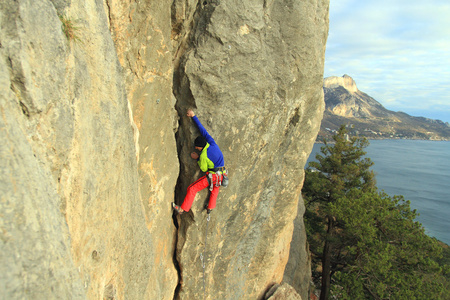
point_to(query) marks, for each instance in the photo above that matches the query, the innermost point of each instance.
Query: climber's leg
(192, 190)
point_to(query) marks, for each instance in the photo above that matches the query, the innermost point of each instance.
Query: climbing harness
(220, 171)
(203, 256)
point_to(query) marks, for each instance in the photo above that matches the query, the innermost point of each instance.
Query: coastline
(385, 139)
(415, 169)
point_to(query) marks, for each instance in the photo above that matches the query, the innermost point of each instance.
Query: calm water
(418, 170)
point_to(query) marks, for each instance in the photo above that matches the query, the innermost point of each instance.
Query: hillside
(346, 104)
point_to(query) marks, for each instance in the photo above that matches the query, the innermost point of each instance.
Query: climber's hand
(194, 155)
(190, 113)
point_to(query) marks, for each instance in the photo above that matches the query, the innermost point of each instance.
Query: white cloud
(397, 51)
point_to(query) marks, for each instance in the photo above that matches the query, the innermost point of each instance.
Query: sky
(397, 51)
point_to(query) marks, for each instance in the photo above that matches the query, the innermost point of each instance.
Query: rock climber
(211, 162)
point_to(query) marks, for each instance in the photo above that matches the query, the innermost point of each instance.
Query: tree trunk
(326, 263)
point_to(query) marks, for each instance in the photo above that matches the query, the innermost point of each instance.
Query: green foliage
(366, 244)
(69, 28)
(344, 165)
(389, 255)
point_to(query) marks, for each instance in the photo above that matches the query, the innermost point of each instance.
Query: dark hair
(200, 141)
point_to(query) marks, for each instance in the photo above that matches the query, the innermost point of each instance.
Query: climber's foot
(208, 211)
(177, 208)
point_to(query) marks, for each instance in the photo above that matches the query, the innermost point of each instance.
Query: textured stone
(35, 256)
(254, 71)
(90, 144)
(35, 249)
(282, 292)
(297, 272)
(86, 208)
(141, 32)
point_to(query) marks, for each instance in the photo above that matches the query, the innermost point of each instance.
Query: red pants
(199, 185)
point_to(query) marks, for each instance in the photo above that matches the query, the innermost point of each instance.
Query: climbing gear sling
(220, 171)
(225, 178)
(203, 258)
(211, 182)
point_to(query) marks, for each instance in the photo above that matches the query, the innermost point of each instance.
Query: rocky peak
(345, 81)
(343, 98)
(345, 104)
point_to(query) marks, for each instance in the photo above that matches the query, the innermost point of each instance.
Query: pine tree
(367, 244)
(387, 254)
(341, 168)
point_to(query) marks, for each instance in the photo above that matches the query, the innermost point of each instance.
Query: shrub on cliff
(69, 28)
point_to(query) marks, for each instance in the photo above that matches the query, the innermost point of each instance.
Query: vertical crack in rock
(185, 16)
(175, 260)
(253, 74)
(182, 138)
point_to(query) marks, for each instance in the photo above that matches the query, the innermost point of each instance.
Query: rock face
(282, 292)
(298, 269)
(93, 193)
(141, 33)
(253, 71)
(95, 144)
(345, 104)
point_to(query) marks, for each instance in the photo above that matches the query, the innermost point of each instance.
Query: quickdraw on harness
(203, 258)
(220, 171)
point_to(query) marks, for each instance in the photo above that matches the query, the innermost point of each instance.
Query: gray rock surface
(87, 209)
(36, 261)
(95, 144)
(282, 292)
(298, 269)
(254, 73)
(141, 32)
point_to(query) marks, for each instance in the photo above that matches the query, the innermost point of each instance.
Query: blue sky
(397, 51)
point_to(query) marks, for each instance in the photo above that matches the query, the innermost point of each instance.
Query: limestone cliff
(253, 71)
(95, 145)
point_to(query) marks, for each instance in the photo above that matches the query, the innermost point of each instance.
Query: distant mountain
(345, 104)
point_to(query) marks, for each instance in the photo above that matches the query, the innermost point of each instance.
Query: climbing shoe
(208, 211)
(177, 208)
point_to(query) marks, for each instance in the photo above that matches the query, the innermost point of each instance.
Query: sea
(418, 170)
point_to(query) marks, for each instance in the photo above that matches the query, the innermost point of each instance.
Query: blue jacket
(211, 157)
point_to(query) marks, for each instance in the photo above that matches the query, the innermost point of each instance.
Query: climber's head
(200, 143)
